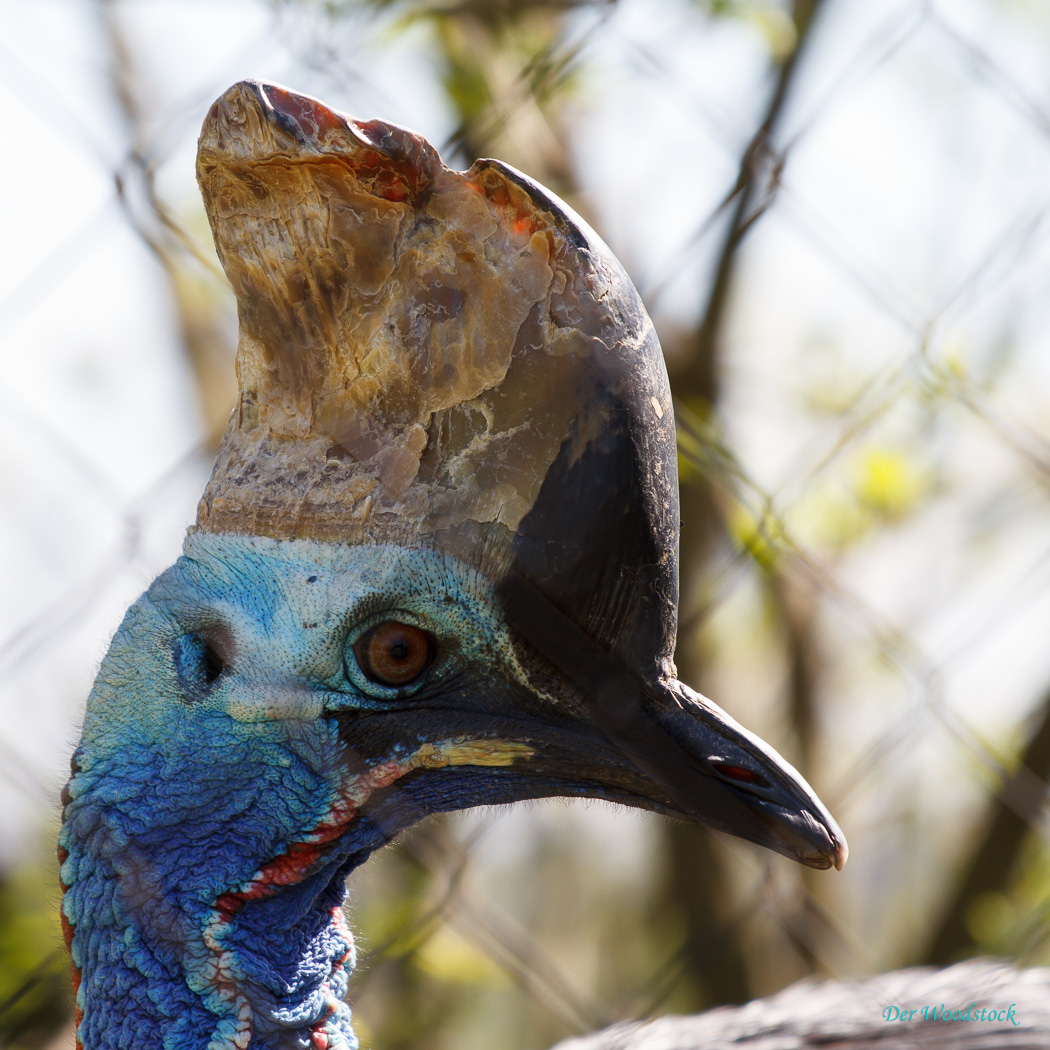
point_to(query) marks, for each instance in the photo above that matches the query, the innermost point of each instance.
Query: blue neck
(169, 955)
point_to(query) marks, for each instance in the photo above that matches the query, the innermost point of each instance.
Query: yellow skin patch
(469, 753)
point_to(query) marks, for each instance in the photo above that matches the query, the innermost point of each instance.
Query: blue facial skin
(212, 745)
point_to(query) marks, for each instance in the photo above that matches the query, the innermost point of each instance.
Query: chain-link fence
(837, 213)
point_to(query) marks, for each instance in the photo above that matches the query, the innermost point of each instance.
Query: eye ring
(394, 654)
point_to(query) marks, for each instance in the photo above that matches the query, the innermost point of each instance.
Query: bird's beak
(673, 749)
(716, 772)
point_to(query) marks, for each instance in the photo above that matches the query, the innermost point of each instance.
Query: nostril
(739, 775)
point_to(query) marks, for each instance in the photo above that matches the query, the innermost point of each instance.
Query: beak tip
(840, 854)
(823, 857)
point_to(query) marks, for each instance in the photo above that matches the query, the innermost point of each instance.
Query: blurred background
(838, 213)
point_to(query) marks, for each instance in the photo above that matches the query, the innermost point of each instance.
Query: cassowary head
(435, 567)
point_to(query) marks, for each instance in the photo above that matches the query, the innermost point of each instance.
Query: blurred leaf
(990, 920)
(776, 28)
(34, 968)
(887, 481)
(449, 957)
(772, 21)
(830, 516)
(758, 536)
(462, 77)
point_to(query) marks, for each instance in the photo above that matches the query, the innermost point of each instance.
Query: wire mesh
(837, 214)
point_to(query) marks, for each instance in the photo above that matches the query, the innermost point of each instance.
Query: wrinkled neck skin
(214, 811)
(182, 931)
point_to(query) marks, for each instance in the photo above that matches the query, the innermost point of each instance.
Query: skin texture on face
(214, 808)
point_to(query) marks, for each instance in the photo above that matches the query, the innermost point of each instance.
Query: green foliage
(881, 484)
(757, 535)
(770, 20)
(887, 482)
(1015, 921)
(35, 998)
(462, 76)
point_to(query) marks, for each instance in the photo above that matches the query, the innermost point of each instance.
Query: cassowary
(434, 567)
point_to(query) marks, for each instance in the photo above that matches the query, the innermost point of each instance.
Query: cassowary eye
(394, 653)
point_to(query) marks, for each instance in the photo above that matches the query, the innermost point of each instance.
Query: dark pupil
(394, 653)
